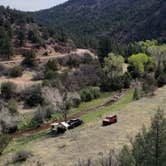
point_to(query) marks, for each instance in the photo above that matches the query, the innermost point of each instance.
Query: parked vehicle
(59, 128)
(109, 120)
(74, 123)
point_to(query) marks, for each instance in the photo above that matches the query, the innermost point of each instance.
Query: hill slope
(19, 33)
(123, 20)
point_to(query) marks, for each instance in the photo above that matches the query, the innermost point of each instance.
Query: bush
(72, 62)
(33, 96)
(42, 114)
(137, 94)
(12, 106)
(161, 80)
(50, 74)
(127, 80)
(51, 65)
(74, 99)
(116, 83)
(30, 59)
(90, 94)
(21, 156)
(8, 90)
(4, 141)
(149, 84)
(95, 91)
(16, 71)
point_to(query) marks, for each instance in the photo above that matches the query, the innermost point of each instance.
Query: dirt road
(45, 58)
(76, 115)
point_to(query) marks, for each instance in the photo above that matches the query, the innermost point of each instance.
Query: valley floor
(92, 140)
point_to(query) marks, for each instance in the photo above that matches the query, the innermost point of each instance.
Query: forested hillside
(119, 20)
(19, 34)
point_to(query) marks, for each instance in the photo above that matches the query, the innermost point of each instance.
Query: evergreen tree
(6, 47)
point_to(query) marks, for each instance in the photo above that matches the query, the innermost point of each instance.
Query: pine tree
(6, 47)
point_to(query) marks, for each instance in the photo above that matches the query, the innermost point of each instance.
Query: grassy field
(126, 99)
(91, 139)
(20, 143)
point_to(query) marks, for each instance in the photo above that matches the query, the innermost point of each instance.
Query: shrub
(50, 74)
(72, 62)
(117, 83)
(161, 80)
(51, 65)
(95, 91)
(137, 94)
(12, 106)
(140, 63)
(16, 71)
(42, 114)
(127, 80)
(30, 59)
(90, 94)
(8, 90)
(4, 141)
(33, 96)
(149, 84)
(86, 96)
(21, 156)
(8, 121)
(74, 99)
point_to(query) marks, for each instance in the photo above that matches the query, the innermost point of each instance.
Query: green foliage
(113, 77)
(8, 90)
(4, 141)
(51, 70)
(30, 59)
(16, 71)
(127, 80)
(104, 48)
(34, 37)
(21, 38)
(72, 62)
(161, 80)
(50, 74)
(158, 51)
(12, 106)
(126, 158)
(138, 93)
(51, 65)
(6, 47)
(109, 19)
(149, 84)
(33, 96)
(151, 140)
(144, 45)
(90, 94)
(42, 114)
(160, 75)
(113, 65)
(139, 63)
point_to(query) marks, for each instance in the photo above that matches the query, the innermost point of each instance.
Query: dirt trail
(46, 126)
(43, 58)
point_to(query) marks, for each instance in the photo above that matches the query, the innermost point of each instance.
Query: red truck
(109, 120)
